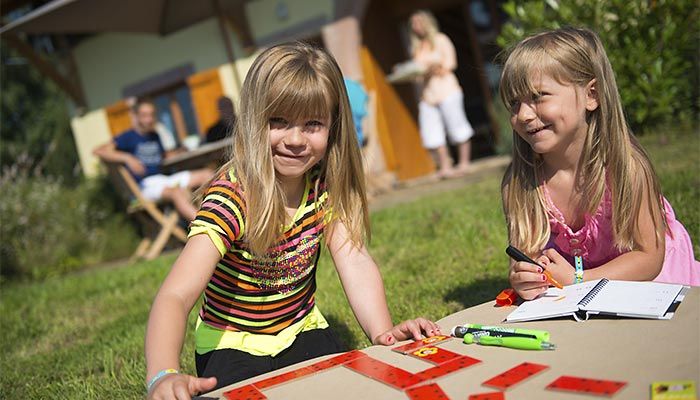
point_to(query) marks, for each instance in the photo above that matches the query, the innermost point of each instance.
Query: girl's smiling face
(554, 117)
(297, 145)
(418, 25)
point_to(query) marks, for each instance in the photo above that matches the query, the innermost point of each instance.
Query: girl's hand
(413, 328)
(527, 279)
(180, 387)
(557, 265)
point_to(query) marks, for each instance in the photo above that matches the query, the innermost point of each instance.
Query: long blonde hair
(611, 153)
(431, 29)
(295, 80)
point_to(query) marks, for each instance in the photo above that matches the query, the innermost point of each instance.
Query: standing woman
(441, 106)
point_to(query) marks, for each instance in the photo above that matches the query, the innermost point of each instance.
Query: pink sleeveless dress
(594, 242)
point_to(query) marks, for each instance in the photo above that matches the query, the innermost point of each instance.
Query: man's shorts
(152, 186)
(434, 118)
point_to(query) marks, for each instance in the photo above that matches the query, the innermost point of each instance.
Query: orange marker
(518, 255)
(551, 279)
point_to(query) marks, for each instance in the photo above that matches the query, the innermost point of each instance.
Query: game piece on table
(282, 378)
(586, 385)
(430, 391)
(676, 390)
(429, 341)
(309, 369)
(337, 360)
(434, 355)
(447, 368)
(383, 372)
(247, 392)
(515, 375)
(507, 297)
(488, 396)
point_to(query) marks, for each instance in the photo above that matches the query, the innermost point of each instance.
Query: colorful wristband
(578, 275)
(160, 375)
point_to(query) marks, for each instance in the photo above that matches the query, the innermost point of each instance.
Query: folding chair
(158, 225)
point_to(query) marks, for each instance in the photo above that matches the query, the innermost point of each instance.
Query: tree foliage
(652, 45)
(35, 134)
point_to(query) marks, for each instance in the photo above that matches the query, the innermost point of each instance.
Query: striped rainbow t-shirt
(249, 296)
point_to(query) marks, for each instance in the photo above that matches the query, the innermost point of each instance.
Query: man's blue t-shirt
(358, 105)
(146, 147)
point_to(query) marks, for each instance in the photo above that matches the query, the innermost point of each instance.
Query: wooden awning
(135, 16)
(160, 17)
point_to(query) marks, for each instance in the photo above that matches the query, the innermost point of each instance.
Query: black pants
(230, 366)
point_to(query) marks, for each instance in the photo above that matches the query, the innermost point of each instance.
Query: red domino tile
(310, 369)
(429, 341)
(585, 385)
(383, 372)
(247, 392)
(488, 396)
(515, 375)
(447, 368)
(282, 378)
(337, 360)
(426, 392)
(434, 355)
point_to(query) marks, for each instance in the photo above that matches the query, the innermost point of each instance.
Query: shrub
(652, 45)
(47, 228)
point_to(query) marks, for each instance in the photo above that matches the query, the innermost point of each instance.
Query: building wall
(90, 131)
(273, 21)
(109, 62)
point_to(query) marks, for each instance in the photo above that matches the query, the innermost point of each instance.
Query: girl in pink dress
(581, 195)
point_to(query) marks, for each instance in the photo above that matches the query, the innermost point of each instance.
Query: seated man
(227, 119)
(141, 151)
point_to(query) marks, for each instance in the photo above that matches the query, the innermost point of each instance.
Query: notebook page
(555, 302)
(641, 299)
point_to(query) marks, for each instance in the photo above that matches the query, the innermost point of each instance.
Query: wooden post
(227, 40)
(45, 68)
(71, 65)
(483, 83)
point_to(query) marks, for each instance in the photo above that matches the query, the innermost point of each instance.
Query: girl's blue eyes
(281, 123)
(534, 98)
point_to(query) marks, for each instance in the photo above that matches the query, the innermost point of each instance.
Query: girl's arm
(640, 264)
(364, 289)
(167, 322)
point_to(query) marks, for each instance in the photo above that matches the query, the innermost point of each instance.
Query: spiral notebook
(651, 300)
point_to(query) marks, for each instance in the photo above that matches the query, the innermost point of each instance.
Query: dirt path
(415, 189)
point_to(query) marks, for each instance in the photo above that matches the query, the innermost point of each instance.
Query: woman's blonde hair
(431, 29)
(611, 154)
(295, 81)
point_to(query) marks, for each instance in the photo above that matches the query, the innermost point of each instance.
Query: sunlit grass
(81, 336)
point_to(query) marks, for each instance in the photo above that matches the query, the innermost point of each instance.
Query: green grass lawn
(81, 336)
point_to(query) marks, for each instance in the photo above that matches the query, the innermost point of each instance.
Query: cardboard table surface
(635, 351)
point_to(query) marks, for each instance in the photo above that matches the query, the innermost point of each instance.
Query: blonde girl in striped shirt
(294, 182)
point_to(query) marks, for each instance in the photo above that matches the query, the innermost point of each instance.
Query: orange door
(398, 133)
(118, 117)
(205, 89)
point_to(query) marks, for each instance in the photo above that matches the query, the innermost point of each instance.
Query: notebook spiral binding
(597, 288)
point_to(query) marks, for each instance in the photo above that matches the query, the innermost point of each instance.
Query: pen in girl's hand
(518, 255)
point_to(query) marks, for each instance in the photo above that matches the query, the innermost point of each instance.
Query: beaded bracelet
(578, 275)
(160, 375)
